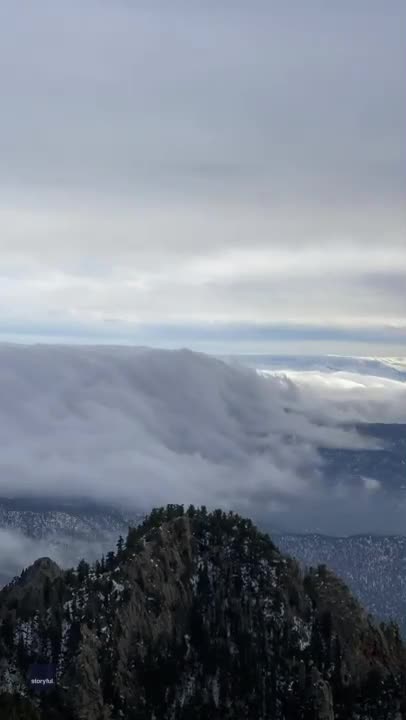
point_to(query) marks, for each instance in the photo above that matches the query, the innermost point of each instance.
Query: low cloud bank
(140, 427)
(18, 551)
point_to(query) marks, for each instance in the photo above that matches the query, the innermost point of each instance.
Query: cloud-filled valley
(139, 427)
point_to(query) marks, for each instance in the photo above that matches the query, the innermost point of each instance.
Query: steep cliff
(196, 615)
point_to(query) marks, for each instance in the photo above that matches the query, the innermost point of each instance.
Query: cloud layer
(143, 427)
(18, 551)
(202, 165)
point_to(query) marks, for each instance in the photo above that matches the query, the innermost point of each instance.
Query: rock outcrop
(198, 615)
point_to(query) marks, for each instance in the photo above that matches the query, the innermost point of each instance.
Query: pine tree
(110, 561)
(120, 546)
(83, 570)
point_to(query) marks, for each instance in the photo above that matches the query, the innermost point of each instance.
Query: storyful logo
(42, 676)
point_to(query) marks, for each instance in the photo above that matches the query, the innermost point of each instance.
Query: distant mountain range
(373, 566)
(43, 518)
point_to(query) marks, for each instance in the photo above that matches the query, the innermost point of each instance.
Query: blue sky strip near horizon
(224, 176)
(218, 338)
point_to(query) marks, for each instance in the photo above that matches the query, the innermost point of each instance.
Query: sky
(226, 176)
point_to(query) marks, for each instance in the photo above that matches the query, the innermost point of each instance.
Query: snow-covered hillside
(373, 566)
(66, 532)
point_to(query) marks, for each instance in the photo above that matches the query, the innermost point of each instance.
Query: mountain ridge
(201, 616)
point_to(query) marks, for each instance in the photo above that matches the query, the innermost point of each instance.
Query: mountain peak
(201, 616)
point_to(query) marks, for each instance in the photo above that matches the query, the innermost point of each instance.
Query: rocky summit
(199, 616)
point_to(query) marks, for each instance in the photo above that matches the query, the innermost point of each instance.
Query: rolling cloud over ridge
(141, 427)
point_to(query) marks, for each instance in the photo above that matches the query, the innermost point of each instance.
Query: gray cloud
(160, 92)
(192, 162)
(18, 551)
(143, 427)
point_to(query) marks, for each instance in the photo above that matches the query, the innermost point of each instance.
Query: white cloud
(18, 551)
(357, 396)
(371, 484)
(144, 427)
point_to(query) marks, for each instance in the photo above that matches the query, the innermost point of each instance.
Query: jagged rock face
(322, 697)
(200, 616)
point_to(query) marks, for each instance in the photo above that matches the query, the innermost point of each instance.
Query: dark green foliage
(120, 546)
(47, 592)
(70, 578)
(7, 632)
(110, 561)
(13, 707)
(82, 571)
(152, 522)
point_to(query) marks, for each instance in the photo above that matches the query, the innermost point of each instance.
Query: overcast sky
(222, 175)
